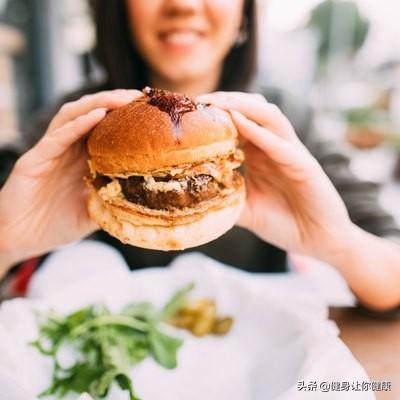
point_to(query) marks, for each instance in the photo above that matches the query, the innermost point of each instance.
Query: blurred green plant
(370, 127)
(339, 16)
(367, 116)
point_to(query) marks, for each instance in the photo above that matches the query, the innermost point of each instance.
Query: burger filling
(161, 193)
(176, 189)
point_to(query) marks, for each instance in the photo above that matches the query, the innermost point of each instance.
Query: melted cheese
(153, 185)
(111, 190)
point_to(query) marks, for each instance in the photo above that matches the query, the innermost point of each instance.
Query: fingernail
(98, 112)
(126, 96)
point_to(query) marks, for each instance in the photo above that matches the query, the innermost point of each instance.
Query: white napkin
(280, 336)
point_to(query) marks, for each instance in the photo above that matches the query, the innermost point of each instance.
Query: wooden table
(376, 345)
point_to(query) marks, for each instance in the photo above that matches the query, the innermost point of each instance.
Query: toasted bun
(164, 230)
(159, 132)
(140, 138)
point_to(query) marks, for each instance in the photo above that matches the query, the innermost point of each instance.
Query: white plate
(273, 344)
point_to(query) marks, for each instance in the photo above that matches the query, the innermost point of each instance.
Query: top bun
(156, 133)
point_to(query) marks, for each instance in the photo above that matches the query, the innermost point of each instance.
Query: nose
(182, 7)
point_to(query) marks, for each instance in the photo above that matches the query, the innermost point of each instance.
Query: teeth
(181, 38)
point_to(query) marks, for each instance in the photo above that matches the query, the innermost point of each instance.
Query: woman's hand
(290, 201)
(43, 202)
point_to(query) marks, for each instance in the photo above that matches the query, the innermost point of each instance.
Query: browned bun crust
(166, 230)
(139, 138)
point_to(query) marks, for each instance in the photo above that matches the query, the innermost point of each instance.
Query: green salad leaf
(164, 348)
(176, 302)
(106, 345)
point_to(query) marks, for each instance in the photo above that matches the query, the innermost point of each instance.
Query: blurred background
(340, 56)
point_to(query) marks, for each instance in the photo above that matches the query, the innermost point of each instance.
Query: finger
(58, 141)
(107, 99)
(88, 225)
(244, 218)
(256, 108)
(242, 141)
(276, 148)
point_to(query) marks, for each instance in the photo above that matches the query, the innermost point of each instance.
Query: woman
(197, 47)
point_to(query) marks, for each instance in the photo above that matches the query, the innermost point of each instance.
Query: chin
(164, 172)
(185, 66)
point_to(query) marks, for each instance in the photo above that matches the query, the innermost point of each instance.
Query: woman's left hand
(291, 203)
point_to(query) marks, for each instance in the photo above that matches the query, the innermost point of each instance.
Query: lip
(182, 39)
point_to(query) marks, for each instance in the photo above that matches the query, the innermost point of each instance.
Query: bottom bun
(209, 226)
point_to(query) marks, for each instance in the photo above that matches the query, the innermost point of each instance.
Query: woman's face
(184, 40)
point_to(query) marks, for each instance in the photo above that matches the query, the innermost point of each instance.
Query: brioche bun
(142, 230)
(140, 138)
(189, 156)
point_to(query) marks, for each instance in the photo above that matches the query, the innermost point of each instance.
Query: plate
(276, 341)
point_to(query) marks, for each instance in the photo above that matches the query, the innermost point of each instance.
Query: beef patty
(193, 190)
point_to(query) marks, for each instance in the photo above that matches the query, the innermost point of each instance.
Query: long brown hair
(125, 68)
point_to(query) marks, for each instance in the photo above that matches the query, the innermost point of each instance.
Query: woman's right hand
(43, 202)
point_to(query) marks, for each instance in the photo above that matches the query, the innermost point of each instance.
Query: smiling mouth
(182, 38)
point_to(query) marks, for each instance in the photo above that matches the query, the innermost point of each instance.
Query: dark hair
(125, 68)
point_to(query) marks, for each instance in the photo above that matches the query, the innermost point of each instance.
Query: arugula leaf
(107, 345)
(101, 386)
(164, 348)
(142, 311)
(79, 317)
(73, 380)
(107, 320)
(176, 302)
(125, 383)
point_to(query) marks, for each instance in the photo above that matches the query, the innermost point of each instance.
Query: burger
(164, 172)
